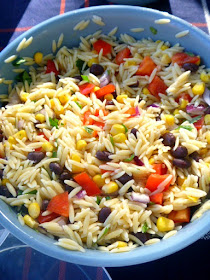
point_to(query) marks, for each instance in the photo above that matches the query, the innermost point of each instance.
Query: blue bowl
(125, 17)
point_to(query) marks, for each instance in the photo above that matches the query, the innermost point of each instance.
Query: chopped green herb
(98, 200)
(23, 210)
(153, 30)
(126, 130)
(130, 158)
(54, 154)
(62, 123)
(187, 127)
(19, 192)
(24, 76)
(53, 122)
(195, 119)
(34, 101)
(32, 192)
(88, 129)
(112, 140)
(151, 203)
(85, 78)
(104, 233)
(145, 228)
(18, 61)
(109, 72)
(78, 104)
(190, 54)
(108, 198)
(79, 64)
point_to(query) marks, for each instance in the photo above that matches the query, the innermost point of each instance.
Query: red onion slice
(105, 79)
(192, 110)
(161, 186)
(206, 96)
(81, 194)
(139, 197)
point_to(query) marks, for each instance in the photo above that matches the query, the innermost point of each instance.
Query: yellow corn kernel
(30, 221)
(47, 146)
(99, 180)
(64, 98)
(208, 137)
(81, 144)
(11, 140)
(176, 112)
(4, 181)
(151, 161)
(117, 128)
(129, 63)
(24, 96)
(38, 56)
(158, 41)
(183, 104)
(164, 47)
(207, 119)
(166, 59)
(108, 97)
(165, 224)
(120, 98)
(203, 151)
(204, 77)
(193, 198)
(40, 118)
(110, 187)
(121, 244)
(198, 89)
(96, 88)
(20, 135)
(74, 98)
(137, 55)
(169, 119)
(145, 91)
(52, 103)
(181, 181)
(120, 138)
(75, 168)
(92, 61)
(34, 210)
(76, 157)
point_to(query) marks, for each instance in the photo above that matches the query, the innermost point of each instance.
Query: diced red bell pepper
(105, 90)
(59, 204)
(199, 124)
(51, 67)
(154, 180)
(38, 149)
(45, 137)
(146, 67)
(105, 112)
(87, 120)
(125, 53)
(157, 86)
(157, 198)
(44, 219)
(86, 88)
(84, 180)
(131, 111)
(183, 96)
(160, 168)
(100, 44)
(180, 216)
(182, 58)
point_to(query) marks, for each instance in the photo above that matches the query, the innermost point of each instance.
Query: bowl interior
(125, 17)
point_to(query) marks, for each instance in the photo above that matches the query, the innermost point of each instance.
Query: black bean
(207, 111)
(136, 84)
(96, 69)
(1, 137)
(1, 173)
(134, 131)
(195, 156)
(65, 175)
(169, 139)
(103, 214)
(68, 188)
(143, 237)
(125, 178)
(78, 77)
(45, 203)
(190, 66)
(109, 102)
(4, 191)
(56, 168)
(103, 156)
(181, 163)
(36, 156)
(180, 152)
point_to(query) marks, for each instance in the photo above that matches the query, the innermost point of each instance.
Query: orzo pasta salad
(106, 146)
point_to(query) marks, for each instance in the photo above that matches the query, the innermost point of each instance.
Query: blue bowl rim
(149, 253)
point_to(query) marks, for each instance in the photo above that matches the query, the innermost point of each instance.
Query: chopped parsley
(130, 158)
(112, 140)
(151, 203)
(54, 154)
(108, 198)
(190, 54)
(19, 192)
(32, 192)
(85, 78)
(53, 122)
(78, 104)
(153, 30)
(23, 210)
(195, 119)
(187, 127)
(145, 228)
(98, 200)
(126, 130)
(88, 129)
(104, 233)
(79, 64)
(18, 61)
(24, 76)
